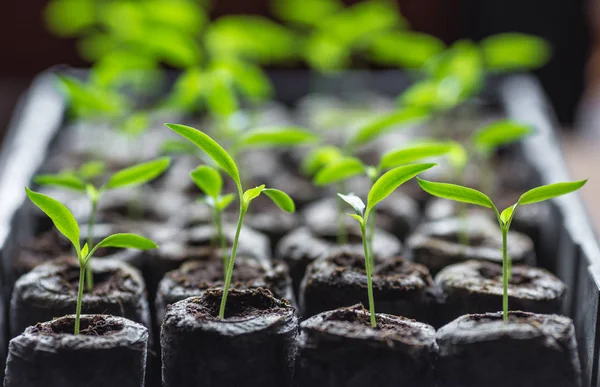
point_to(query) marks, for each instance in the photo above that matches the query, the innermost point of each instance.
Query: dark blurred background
(26, 47)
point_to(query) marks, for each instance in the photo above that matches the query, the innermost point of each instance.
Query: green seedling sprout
(80, 181)
(471, 196)
(381, 189)
(65, 222)
(324, 155)
(210, 182)
(344, 168)
(228, 165)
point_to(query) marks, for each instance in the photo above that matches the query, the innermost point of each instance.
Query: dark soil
(96, 325)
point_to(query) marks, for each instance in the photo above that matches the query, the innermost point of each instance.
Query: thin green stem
(368, 260)
(371, 236)
(79, 298)
(232, 260)
(342, 234)
(221, 236)
(504, 274)
(89, 277)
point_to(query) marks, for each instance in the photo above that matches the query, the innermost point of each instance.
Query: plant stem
(504, 274)
(82, 271)
(221, 237)
(89, 277)
(342, 234)
(229, 266)
(368, 260)
(371, 236)
(463, 234)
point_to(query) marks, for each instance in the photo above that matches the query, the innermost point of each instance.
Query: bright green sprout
(226, 163)
(381, 189)
(81, 181)
(65, 222)
(471, 196)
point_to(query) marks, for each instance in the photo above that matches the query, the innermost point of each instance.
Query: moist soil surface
(93, 326)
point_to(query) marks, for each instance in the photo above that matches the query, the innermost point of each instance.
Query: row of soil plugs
(250, 337)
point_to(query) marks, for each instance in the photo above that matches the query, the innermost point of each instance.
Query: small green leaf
(65, 180)
(339, 170)
(281, 199)
(355, 202)
(208, 180)
(507, 215)
(91, 169)
(252, 194)
(277, 136)
(210, 147)
(391, 180)
(60, 215)
(514, 51)
(407, 49)
(359, 218)
(387, 122)
(416, 153)
(306, 12)
(432, 94)
(224, 201)
(85, 250)
(550, 191)
(127, 241)
(92, 193)
(456, 192)
(138, 174)
(320, 157)
(500, 133)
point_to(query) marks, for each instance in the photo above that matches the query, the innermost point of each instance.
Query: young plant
(226, 163)
(81, 181)
(65, 222)
(469, 195)
(343, 168)
(381, 189)
(210, 182)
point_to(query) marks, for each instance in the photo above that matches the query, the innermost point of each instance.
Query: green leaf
(319, 157)
(65, 180)
(85, 250)
(355, 202)
(252, 194)
(550, 191)
(339, 170)
(69, 18)
(387, 122)
(60, 215)
(208, 180)
(416, 153)
(127, 241)
(210, 147)
(456, 192)
(306, 12)
(431, 93)
(138, 174)
(515, 51)
(91, 169)
(136, 124)
(281, 199)
(277, 136)
(500, 133)
(92, 193)
(391, 180)
(324, 53)
(507, 215)
(359, 218)
(221, 97)
(224, 201)
(406, 49)
(249, 79)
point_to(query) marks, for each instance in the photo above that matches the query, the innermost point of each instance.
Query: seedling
(210, 182)
(65, 222)
(469, 195)
(381, 189)
(226, 163)
(344, 168)
(80, 181)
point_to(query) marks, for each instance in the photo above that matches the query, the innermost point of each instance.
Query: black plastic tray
(41, 112)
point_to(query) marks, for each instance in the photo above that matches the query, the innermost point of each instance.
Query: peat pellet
(476, 287)
(194, 277)
(340, 348)
(253, 346)
(398, 214)
(198, 243)
(109, 351)
(303, 245)
(50, 290)
(447, 241)
(400, 287)
(527, 350)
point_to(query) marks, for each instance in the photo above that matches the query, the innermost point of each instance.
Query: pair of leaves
(280, 198)
(132, 176)
(65, 222)
(383, 187)
(210, 182)
(472, 196)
